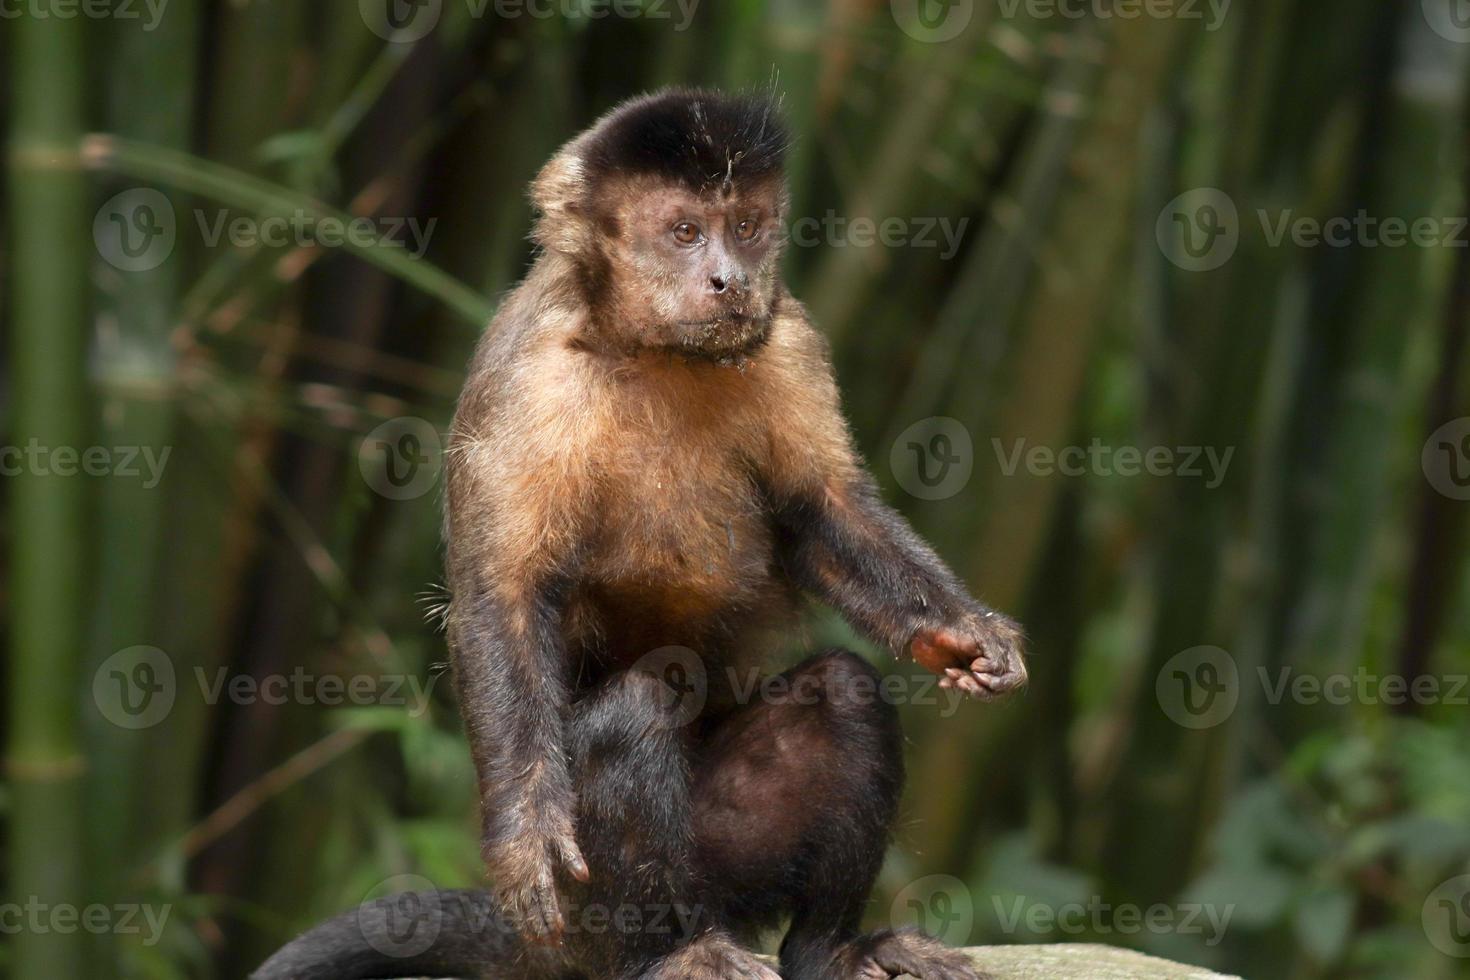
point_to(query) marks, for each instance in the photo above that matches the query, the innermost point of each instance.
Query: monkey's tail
(412, 934)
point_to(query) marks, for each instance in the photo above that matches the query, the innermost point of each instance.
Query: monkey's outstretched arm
(847, 547)
(840, 542)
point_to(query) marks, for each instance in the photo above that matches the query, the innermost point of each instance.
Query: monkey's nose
(729, 282)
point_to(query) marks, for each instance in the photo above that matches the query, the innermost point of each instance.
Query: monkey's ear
(557, 194)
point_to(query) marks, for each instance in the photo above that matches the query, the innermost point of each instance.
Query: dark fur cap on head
(697, 137)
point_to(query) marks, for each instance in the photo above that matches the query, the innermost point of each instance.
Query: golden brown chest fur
(638, 479)
(680, 542)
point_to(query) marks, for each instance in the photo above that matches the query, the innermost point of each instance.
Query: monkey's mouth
(724, 337)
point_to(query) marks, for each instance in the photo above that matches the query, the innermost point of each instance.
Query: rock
(1077, 961)
(1080, 961)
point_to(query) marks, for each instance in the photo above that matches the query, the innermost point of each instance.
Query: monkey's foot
(908, 952)
(711, 957)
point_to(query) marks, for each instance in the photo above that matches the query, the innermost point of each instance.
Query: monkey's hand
(980, 654)
(525, 874)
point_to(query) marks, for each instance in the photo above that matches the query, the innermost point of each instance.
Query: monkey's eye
(746, 229)
(686, 233)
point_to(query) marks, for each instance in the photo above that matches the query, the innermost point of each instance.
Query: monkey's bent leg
(640, 912)
(794, 802)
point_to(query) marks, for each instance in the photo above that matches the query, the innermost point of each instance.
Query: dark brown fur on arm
(514, 531)
(843, 544)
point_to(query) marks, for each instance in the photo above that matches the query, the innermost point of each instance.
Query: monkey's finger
(1002, 677)
(543, 916)
(996, 685)
(970, 686)
(572, 860)
(996, 668)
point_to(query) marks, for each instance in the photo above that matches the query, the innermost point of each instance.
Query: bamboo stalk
(150, 96)
(49, 217)
(251, 91)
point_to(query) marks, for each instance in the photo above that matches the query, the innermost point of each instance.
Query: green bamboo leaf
(185, 171)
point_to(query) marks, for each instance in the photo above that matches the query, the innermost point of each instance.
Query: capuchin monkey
(649, 456)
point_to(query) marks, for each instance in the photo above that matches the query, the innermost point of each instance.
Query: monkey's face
(696, 273)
